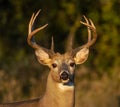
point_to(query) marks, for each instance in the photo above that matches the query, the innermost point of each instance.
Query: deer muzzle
(65, 76)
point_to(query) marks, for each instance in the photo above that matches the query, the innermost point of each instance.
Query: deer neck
(58, 95)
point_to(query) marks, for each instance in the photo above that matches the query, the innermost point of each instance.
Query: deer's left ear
(81, 56)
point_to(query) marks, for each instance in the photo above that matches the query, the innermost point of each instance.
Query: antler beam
(31, 32)
(91, 40)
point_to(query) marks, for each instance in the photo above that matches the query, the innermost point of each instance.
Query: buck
(60, 82)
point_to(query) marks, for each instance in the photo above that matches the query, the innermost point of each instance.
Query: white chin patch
(65, 81)
(63, 87)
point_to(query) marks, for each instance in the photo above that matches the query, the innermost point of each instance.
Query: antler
(91, 40)
(31, 33)
(91, 27)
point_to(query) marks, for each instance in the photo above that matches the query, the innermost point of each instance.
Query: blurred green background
(22, 77)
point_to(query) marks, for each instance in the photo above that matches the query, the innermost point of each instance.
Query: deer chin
(65, 81)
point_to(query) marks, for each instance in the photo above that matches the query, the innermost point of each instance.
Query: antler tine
(29, 28)
(88, 29)
(92, 24)
(31, 33)
(52, 44)
(32, 21)
(91, 27)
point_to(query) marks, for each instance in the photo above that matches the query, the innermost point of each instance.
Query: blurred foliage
(22, 77)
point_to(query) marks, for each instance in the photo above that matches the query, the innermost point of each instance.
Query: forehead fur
(61, 56)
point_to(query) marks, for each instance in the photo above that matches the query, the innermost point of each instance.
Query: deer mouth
(65, 76)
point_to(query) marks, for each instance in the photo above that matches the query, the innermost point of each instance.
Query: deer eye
(72, 64)
(54, 65)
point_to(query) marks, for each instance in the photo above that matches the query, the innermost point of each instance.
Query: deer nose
(64, 75)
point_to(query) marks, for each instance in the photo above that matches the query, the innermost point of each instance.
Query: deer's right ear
(42, 56)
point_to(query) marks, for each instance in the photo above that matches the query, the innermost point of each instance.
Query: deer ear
(81, 56)
(42, 56)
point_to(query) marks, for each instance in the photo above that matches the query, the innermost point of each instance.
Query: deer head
(62, 65)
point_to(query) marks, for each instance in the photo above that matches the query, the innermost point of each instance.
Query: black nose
(64, 75)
